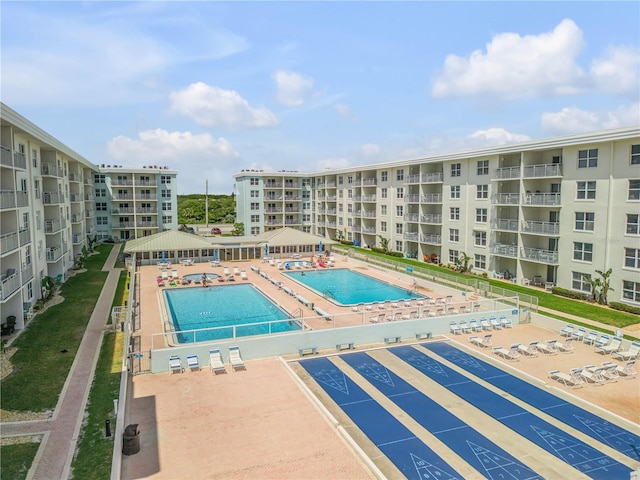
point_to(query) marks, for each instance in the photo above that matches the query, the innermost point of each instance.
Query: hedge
(624, 307)
(569, 293)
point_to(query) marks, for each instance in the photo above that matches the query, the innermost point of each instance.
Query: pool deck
(259, 423)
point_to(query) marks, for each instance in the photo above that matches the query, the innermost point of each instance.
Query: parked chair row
(175, 363)
(215, 361)
(594, 374)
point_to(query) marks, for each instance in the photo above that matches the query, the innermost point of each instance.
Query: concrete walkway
(61, 431)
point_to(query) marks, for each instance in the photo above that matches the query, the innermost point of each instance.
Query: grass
(15, 460)
(122, 291)
(40, 366)
(95, 451)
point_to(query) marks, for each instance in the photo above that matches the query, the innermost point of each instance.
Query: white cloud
(345, 112)
(617, 72)
(369, 150)
(293, 89)
(211, 106)
(574, 120)
(332, 163)
(515, 66)
(496, 136)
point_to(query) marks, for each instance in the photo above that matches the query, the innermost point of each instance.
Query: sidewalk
(60, 433)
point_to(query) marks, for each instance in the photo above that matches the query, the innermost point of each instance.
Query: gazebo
(171, 246)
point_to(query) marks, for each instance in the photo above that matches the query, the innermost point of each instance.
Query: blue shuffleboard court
(558, 443)
(582, 420)
(481, 453)
(407, 452)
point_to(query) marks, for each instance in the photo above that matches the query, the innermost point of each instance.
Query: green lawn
(15, 460)
(41, 367)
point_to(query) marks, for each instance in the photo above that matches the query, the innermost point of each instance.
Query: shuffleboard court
(407, 452)
(582, 420)
(558, 443)
(481, 453)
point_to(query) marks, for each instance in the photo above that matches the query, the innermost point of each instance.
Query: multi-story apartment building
(551, 211)
(49, 205)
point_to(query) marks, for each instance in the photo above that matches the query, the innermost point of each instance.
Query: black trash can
(131, 440)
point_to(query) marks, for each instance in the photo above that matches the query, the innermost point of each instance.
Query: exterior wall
(517, 209)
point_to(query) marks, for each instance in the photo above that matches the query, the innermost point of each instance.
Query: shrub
(563, 292)
(377, 249)
(395, 254)
(625, 308)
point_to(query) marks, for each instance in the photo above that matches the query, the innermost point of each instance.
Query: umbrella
(320, 247)
(266, 250)
(163, 256)
(216, 255)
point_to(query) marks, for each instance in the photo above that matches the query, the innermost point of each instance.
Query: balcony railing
(5, 156)
(542, 199)
(88, 197)
(541, 228)
(75, 177)
(506, 173)
(8, 242)
(54, 253)
(414, 178)
(548, 170)
(508, 224)
(76, 197)
(506, 199)
(432, 238)
(411, 236)
(412, 198)
(504, 250)
(54, 225)
(432, 177)
(52, 198)
(539, 255)
(432, 198)
(433, 218)
(369, 182)
(26, 273)
(50, 169)
(10, 283)
(121, 181)
(412, 217)
(366, 213)
(273, 185)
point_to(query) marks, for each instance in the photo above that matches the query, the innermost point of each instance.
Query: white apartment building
(548, 211)
(52, 199)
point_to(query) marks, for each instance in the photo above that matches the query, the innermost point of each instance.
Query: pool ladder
(329, 293)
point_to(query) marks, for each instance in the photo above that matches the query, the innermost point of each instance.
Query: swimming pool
(219, 312)
(197, 277)
(347, 287)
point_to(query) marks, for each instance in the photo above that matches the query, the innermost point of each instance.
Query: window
(483, 167)
(635, 154)
(585, 221)
(38, 220)
(634, 189)
(633, 225)
(399, 211)
(480, 262)
(98, 178)
(101, 192)
(480, 239)
(454, 235)
(102, 220)
(400, 175)
(384, 176)
(632, 257)
(481, 215)
(306, 217)
(255, 230)
(454, 213)
(455, 191)
(340, 180)
(399, 247)
(340, 193)
(588, 158)
(101, 207)
(166, 206)
(255, 218)
(578, 281)
(383, 209)
(482, 191)
(383, 226)
(349, 222)
(165, 193)
(167, 219)
(36, 188)
(255, 206)
(254, 181)
(631, 290)
(400, 193)
(399, 228)
(456, 169)
(453, 256)
(340, 208)
(349, 193)
(255, 193)
(383, 193)
(349, 179)
(350, 208)
(583, 251)
(586, 190)
(165, 179)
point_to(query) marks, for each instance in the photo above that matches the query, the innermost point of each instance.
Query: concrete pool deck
(260, 422)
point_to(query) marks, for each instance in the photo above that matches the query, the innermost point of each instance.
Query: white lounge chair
(378, 318)
(243, 275)
(175, 365)
(464, 326)
(495, 324)
(484, 342)
(566, 346)
(165, 275)
(567, 331)
(591, 337)
(485, 324)
(593, 374)
(174, 274)
(454, 328)
(579, 334)
(545, 348)
(235, 359)
(236, 270)
(225, 271)
(193, 363)
(528, 350)
(475, 326)
(627, 370)
(612, 347)
(631, 354)
(602, 341)
(508, 353)
(573, 380)
(505, 322)
(215, 361)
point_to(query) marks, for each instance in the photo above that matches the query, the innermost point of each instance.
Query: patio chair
(545, 348)
(225, 271)
(236, 270)
(464, 326)
(593, 374)
(454, 328)
(573, 380)
(243, 275)
(235, 359)
(602, 341)
(164, 275)
(591, 337)
(498, 275)
(379, 318)
(528, 350)
(630, 354)
(429, 313)
(485, 324)
(612, 347)
(579, 334)
(610, 372)
(566, 346)
(215, 361)
(484, 342)
(508, 353)
(505, 322)
(193, 363)
(495, 324)
(475, 326)
(567, 331)
(626, 370)
(175, 365)
(174, 274)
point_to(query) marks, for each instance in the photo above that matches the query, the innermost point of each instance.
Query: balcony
(147, 224)
(8, 242)
(432, 198)
(273, 185)
(437, 177)
(364, 229)
(54, 225)
(13, 199)
(506, 199)
(5, 156)
(52, 198)
(506, 173)
(412, 198)
(413, 178)
(542, 199)
(433, 218)
(538, 171)
(76, 197)
(368, 198)
(122, 196)
(88, 197)
(541, 228)
(54, 254)
(366, 214)
(273, 210)
(75, 177)
(504, 250)
(293, 221)
(412, 217)
(507, 224)
(50, 170)
(121, 182)
(431, 238)
(292, 209)
(411, 236)
(148, 196)
(9, 284)
(26, 273)
(369, 182)
(77, 238)
(331, 198)
(292, 197)
(331, 211)
(540, 256)
(77, 217)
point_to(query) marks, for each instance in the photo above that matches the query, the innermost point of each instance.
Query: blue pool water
(225, 306)
(347, 287)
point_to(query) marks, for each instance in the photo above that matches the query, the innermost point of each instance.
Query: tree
(238, 229)
(605, 285)
(462, 263)
(384, 244)
(48, 286)
(594, 283)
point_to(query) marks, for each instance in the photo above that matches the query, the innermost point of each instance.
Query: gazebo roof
(290, 236)
(168, 240)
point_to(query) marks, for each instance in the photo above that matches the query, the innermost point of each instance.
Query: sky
(210, 88)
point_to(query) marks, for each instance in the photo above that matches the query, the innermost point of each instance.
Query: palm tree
(594, 283)
(384, 244)
(462, 263)
(604, 283)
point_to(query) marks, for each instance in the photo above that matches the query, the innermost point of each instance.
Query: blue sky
(210, 88)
